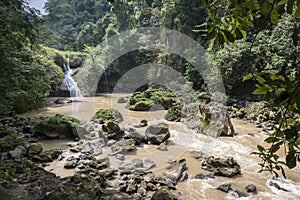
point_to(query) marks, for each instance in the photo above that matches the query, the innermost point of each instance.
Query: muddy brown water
(182, 142)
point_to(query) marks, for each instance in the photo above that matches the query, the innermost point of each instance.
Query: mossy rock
(34, 149)
(112, 130)
(124, 146)
(59, 127)
(173, 114)
(11, 141)
(163, 193)
(103, 115)
(142, 105)
(143, 101)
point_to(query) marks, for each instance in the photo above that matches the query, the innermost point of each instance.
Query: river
(183, 141)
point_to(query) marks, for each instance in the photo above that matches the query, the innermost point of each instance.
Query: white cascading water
(70, 83)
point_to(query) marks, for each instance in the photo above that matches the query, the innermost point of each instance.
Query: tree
(277, 75)
(23, 77)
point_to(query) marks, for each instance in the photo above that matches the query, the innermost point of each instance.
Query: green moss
(10, 142)
(173, 114)
(9, 169)
(59, 126)
(143, 101)
(35, 148)
(109, 114)
(111, 130)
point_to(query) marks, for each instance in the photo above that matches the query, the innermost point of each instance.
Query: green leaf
(274, 16)
(260, 79)
(212, 33)
(297, 13)
(265, 9)
(229, 36)
(247, 77)
(291, 160)
(260, 148)
(260, 90)
(271, 139)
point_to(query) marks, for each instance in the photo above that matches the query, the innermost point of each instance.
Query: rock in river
(227, 167)
(176, 172)
(158, 133)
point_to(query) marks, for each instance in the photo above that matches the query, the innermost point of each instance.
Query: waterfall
(70, 83)
(106, 82)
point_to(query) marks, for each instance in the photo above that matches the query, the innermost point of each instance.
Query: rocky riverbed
(105, 153)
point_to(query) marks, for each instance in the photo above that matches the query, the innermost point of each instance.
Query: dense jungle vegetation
(254, 43)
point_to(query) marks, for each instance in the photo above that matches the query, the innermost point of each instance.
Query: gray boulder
(227, 167)
(157, 133)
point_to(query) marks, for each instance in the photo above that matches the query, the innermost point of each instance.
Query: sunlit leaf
(274, 16)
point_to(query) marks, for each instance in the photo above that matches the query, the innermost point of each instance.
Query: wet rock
(176, 172)
(227, 167)
(123, 146)
(110, 142)
(198, 155)
(142, 123)
(17, 153)
(120, 196)
(163, 194)
(204, 176)
(210, 111)
(50, 155)
(76, 149)
(122, 100)
(276, 185)
(162, 147)
(112, 130)
(173, 114)
(63, 101)
(70, 165)
(157, 133)
(138, 138)
(34, 149)
(120, 156)
(11, 141)
(229, 188)
(103, 115)
(251, 188)
(99, 164)
(59, 127)
(136, 165)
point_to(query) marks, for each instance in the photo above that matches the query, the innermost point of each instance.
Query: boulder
(103, 115)
(142, 123)
(136, 165)
(229, 188)
(173, 114)
(70, 165)
(34, 149)
(122, 100)
(227, 167)
(11, 141)
(63, 101)
(18, 152)
(251, 188)
(123, 146)
(112, 130)
(138, 138)
(59, 127)
(157, 133)
(176, 172)
(163, 194)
